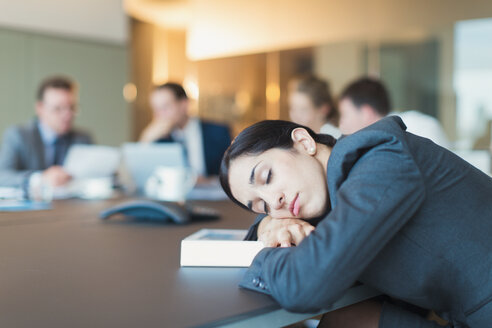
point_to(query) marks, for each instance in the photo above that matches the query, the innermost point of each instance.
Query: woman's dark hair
(260, 137)
(319, 93)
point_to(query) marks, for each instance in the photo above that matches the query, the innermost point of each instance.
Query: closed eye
(269, 177)
(265, 208)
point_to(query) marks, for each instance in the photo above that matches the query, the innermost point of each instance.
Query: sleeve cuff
(253, 279)
(29, 180)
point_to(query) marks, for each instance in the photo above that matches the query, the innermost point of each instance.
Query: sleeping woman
(392, 210)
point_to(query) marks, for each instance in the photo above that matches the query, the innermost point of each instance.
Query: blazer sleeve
(382, 192)
(11, 172)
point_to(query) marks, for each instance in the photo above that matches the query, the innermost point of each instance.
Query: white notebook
(219, 248)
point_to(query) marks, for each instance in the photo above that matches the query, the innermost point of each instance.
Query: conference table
(65, 267)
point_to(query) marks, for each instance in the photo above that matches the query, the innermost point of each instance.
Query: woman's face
(303, 111)
(281, 183)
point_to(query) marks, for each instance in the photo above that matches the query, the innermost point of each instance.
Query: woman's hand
(282, 232)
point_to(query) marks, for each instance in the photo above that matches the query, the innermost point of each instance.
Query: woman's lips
(294, 206)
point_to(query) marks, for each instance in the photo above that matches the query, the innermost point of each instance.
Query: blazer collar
(349, 149)
(37, 142)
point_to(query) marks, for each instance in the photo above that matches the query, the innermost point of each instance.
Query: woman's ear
(303, 141)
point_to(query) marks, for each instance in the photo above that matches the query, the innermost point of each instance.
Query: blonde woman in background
(311, 105)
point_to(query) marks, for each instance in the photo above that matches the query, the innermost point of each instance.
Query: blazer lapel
(206, 150)
(38, 146)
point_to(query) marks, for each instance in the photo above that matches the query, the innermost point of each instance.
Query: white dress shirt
(425, 126)
(330, 129)
(191, 136)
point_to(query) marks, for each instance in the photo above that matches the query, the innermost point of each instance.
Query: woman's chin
(319, 212)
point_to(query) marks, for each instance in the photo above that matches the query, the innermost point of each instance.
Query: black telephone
(161, 212)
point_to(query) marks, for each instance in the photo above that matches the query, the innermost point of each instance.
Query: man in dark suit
(38, 149)
(204, 142)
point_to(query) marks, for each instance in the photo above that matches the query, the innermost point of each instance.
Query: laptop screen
(141, 159)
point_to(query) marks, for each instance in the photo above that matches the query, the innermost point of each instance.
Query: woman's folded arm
(383, 191)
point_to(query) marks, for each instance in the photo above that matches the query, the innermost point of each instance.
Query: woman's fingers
(283, 232)
(307, 229)
(284, 237)
(300, 230)
(297, 233)
(268, 241)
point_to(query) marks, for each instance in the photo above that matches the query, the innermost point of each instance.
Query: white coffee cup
(170, 183)
(95, 188)
(39, 189)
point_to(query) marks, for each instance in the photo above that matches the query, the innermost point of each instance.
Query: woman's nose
(277, 201)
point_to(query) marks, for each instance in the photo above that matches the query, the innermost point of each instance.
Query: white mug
(170, 183)
(95, 188)
(39, 190)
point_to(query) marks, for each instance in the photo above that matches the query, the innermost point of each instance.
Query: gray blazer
(408, 218)
(23, 152)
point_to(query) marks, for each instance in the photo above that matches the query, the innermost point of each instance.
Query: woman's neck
(323, 153)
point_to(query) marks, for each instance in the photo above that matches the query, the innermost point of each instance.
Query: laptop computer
(141, 159)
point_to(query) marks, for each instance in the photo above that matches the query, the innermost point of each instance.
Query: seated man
(365, 101)
(41, 145)
(204, 142)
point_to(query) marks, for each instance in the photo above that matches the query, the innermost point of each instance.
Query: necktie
(180, 138)
(58, 154)
(185, 153)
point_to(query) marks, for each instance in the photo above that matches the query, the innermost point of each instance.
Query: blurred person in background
(366, 101)
(311, 104)
(38, 148)
(484, 141)
(204, 142)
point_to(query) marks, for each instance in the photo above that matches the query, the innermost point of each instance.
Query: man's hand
(56, 176)
(157, 129)
(282, 232)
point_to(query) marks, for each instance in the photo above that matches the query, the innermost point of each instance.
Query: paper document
(22, 205)
(11, 193)
(91, 161)
(219, 248)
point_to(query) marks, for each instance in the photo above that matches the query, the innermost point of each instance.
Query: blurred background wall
(86, 40)
(235, 58)
(241, 54)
